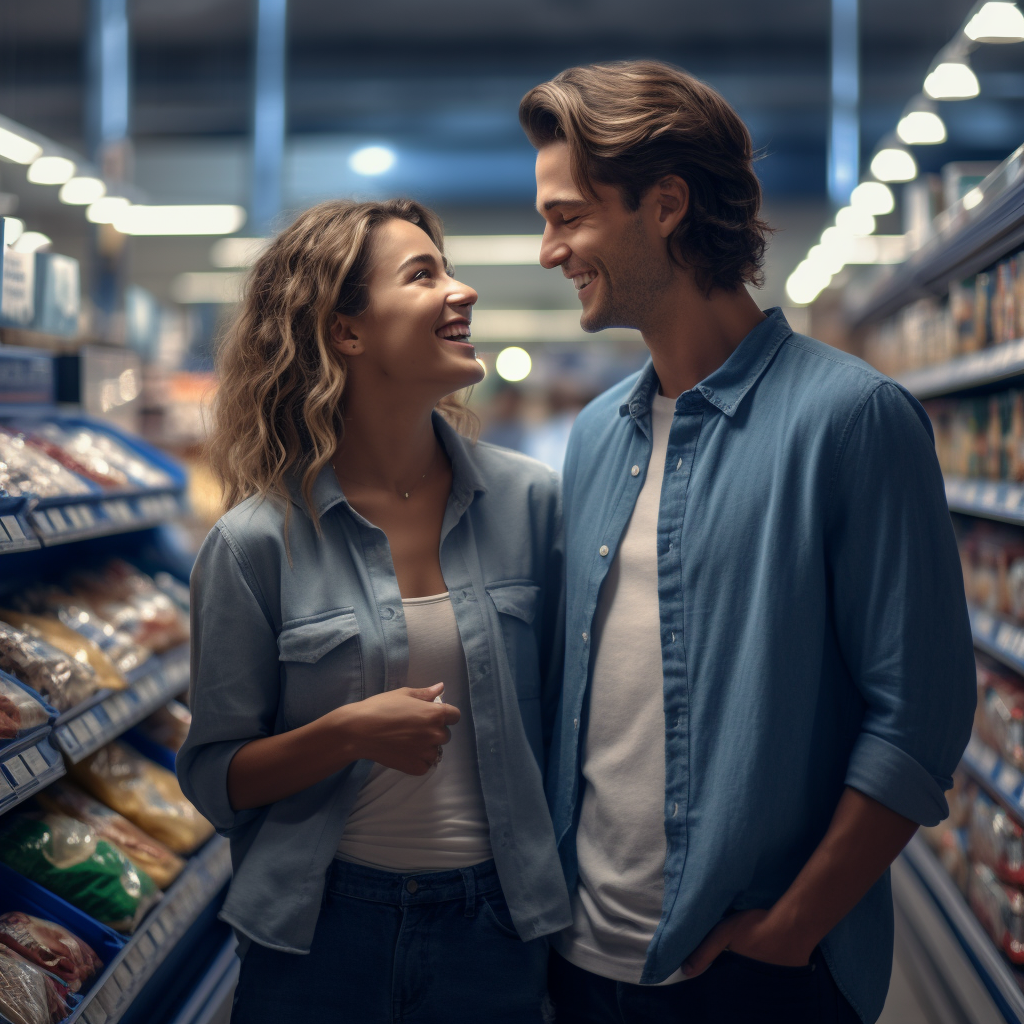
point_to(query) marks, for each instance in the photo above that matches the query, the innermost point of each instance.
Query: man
(769, 675)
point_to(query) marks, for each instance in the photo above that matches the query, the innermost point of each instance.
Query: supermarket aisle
(903, 1005)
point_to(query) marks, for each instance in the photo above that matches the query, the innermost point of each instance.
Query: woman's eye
(420, 274)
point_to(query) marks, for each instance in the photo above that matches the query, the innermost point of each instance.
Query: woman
(376, 644)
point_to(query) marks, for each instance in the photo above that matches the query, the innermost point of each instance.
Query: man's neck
(691, 335)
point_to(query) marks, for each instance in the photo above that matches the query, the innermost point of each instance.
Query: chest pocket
(516, 603)
(322, 665)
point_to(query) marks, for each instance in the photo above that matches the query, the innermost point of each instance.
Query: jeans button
(411, 886)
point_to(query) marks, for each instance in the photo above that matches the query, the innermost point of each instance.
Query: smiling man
(769, 676)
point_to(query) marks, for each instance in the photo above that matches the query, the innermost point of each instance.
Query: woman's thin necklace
(405, 494)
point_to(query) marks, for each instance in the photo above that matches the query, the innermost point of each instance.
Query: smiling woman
(414, 564)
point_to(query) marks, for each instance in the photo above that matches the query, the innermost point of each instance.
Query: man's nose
(553, 252)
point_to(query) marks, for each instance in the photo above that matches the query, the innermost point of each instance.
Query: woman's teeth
(582, 280)
(455, 332)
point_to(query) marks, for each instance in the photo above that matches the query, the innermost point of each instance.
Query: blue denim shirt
(814, 632)
(279, 642)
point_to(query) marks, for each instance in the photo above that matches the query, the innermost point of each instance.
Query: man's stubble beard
(630, 290)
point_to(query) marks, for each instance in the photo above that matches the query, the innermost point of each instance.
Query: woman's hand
(400, 729)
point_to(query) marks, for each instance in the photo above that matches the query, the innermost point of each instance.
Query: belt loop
(469, 880)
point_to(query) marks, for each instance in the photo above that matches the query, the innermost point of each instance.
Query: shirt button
(635, 471)
(387, 613)
(603, 550)
(575, 723)
(411, 886)
(584, 637)
(679, 464)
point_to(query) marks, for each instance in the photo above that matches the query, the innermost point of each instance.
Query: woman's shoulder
(504, 470)
(253, 525)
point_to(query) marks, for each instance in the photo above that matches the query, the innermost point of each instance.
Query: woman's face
(415, 329)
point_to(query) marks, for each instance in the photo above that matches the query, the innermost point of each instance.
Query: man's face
(615, 257)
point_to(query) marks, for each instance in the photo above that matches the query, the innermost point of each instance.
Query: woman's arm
(400, 729)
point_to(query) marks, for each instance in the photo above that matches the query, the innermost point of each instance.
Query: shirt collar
(466, 479)
(728, 385)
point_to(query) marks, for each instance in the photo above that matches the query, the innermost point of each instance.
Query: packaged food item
(19, 711)
(65, 639)
(50, 946)
(997, 840)
(168, 725)
(951, 847)
(144, 793)
(131, 601)
(68, 858)
(1000, 909)
(142, 850)
(61, 680)
(26, 470)
(97, 455)
(28, 995)
(999, 716)
(119, 647)
(174, 589)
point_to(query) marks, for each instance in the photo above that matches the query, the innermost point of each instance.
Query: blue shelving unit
(988, 366)
(1003, 502)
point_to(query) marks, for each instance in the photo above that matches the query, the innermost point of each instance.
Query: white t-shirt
(433, 822)
(620, 843)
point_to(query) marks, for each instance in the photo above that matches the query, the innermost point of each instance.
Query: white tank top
(437, 821)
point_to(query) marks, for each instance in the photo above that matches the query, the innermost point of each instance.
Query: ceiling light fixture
(237, 252)
(996, 23)
(921, 128)
(180, 220)
(952, 80)
(51, 170)
(893, 163)
(873, 197)
(372, 160)
(513, 363)
(82, 191)
(31, 241)
(20, 150)
(106, 210)
(855, 221)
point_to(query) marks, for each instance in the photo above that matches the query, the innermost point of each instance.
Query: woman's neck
(386, 445)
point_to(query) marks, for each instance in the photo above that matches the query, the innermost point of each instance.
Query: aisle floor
(903, 1006)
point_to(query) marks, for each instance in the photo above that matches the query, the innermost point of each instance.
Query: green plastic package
(68, 858)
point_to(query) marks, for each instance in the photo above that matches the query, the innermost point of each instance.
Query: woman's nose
(463, 295)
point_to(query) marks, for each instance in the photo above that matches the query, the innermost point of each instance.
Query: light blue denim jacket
(814, 632)
(276, 645)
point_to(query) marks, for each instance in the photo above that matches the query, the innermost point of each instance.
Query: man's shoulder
(826, 373)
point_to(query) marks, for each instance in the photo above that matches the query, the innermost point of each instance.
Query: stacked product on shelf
(104, 865)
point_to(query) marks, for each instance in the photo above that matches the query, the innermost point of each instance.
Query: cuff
(884, 772)
(203, 775)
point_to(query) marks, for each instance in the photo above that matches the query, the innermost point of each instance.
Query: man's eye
(570, 220)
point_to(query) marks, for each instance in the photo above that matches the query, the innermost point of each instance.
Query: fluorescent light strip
(179, 220)
(493, 250)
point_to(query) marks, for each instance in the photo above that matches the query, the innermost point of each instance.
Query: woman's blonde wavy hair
(277, 414)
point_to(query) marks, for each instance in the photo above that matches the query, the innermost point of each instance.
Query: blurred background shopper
(758, 711)
(393, 853)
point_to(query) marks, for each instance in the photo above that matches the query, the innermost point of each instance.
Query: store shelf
(204, 876)
(94, 727)
(973, 240)
(16, 533)
(212, 994)
(997, 637)
(1000, 501)
(63, 520)
(1002, 780)
(988, 366)
(26, 766)
(998, 991)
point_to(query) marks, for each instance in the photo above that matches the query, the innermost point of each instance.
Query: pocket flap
(518, 599)
(312, 640)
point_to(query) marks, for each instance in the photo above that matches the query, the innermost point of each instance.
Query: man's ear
(344, 337)
(671, 199)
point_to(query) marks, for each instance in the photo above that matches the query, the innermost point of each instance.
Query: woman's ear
(344, 337)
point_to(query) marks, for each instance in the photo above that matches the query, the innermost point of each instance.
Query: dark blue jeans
(733, 990)
(389, 948)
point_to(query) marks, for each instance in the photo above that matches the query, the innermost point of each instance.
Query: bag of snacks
(167, 726)
(19, 711)
(131, 601)
(142, 850)
(28, 995)
(1000, 909)
(999, 718)
(144, 793)
(50, 946)
(68, 858)
(26, 470)
(997, 840)
(62, 681)
(65, 639)
(119, 647)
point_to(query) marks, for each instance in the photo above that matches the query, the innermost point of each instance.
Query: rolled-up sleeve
(235, 679)
(900, 611)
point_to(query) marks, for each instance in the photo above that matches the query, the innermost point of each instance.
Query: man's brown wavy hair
(630, 124)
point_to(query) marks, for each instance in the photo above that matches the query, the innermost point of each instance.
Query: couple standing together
(637, 746)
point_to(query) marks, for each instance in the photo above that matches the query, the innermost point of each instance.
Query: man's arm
(863, 839)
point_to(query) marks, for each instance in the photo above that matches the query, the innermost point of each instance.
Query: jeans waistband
(345, 879)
